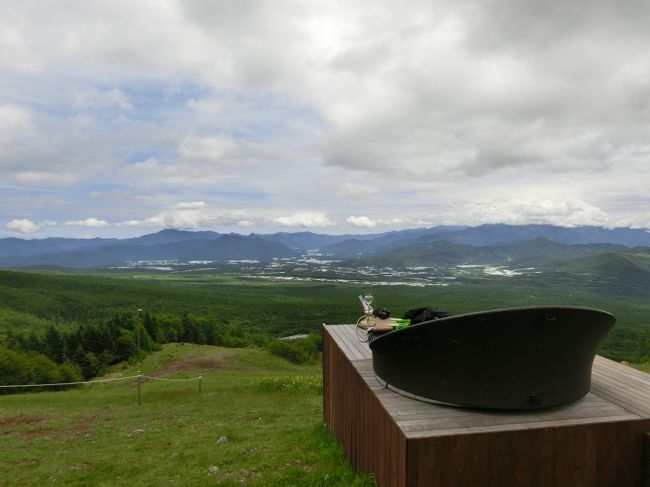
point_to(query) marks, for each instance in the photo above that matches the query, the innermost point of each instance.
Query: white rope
(71, 383)
(172, 380)
(96, 381)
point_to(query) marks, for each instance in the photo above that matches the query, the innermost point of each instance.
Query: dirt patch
(81, 428)
(8, 424)
(207, 364)
(40, 432)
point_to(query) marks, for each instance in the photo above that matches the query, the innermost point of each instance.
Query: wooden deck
(600, 440)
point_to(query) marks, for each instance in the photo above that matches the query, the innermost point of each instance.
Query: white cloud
(190, 205)
(210, 148)
(570, 212)
(22, 226)
(147, 165)
(25, 225)
(89, 222)
(16, 55)
(95, 99)
(361, 221)
(245, 223)
(15, 121)
(304, 219)
(360, 189)
(44, 178)
(191, 216)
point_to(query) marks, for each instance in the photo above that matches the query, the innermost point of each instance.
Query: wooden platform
(600, 440)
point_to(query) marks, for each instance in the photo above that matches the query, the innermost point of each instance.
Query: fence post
(200, 379)
(139, 389)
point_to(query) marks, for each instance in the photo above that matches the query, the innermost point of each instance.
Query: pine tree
(151, 325)
(54, 345)
(93, 340)
(34, 343)
(125, 346)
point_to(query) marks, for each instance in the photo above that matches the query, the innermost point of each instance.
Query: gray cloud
(272, 109)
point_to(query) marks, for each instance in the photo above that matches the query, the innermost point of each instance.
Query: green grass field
(269, 410)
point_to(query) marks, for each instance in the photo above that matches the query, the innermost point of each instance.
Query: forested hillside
(89, 309)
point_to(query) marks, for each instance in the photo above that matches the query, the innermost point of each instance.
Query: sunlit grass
(267, 413)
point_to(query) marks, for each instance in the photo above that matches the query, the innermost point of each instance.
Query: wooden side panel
(603, 454)
(601, 440)
(646, 459)
(370, 438)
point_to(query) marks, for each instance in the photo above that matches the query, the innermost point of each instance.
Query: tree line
(88, 351)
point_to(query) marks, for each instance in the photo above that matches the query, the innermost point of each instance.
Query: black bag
(419, 315)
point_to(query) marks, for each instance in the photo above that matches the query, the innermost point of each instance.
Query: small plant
(311, 383)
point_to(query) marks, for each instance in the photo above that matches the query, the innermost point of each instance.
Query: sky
(121, 118)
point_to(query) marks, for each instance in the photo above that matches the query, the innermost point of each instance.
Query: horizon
(266, 116)
(460, 227)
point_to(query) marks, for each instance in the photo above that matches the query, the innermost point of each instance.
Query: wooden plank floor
(618, 393)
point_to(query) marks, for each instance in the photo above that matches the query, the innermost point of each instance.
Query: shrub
(290, 351)
(312, 383)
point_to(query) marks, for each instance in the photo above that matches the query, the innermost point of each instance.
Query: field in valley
(263, 309)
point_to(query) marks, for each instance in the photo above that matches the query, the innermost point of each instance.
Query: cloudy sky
(119, 118)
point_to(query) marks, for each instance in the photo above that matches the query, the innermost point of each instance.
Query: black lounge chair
(518, 358)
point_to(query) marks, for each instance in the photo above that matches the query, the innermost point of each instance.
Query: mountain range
(495, 243)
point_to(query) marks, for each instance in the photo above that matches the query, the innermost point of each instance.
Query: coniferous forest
(72, 326)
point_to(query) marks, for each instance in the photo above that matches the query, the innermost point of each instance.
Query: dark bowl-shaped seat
(518, 358)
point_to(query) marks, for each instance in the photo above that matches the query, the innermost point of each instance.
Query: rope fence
(139, 378)
(170, 380)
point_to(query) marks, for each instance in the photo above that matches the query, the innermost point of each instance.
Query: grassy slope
(100, 436)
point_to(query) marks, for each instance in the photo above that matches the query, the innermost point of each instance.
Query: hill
(623, 266)
(539, 252)
(487, 235)
(500, 233)
(225, 247)
(257, 420)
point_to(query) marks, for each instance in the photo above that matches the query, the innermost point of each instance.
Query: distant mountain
(500, 233)
(169, 235)
(304, 240)
(487, 235)
(225, 247)
(442, 244)
(383, 242)
(539, 252)
(17, 247)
